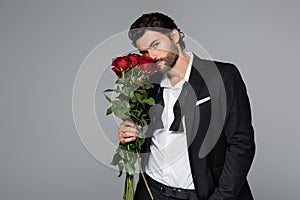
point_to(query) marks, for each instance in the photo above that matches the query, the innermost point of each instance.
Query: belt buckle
(164, 191)
(174, 192)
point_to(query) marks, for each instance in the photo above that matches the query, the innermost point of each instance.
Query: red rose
(134, 58)
(117, 71)
(146, 59)
(148, 64)
(121, 63)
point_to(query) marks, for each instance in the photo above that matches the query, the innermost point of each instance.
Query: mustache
(159, 60)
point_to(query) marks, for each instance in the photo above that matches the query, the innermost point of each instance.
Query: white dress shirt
(168, 160)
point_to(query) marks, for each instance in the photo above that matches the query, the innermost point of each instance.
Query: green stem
(127, 183)
(129, 188)
(145, 181)
(132, 188)
(134, 116)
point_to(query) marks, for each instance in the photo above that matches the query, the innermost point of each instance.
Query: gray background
(43, 43)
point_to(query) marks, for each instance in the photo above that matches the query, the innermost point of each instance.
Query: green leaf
(138, 97)
(132, 146)
(129, 168)
(148, 86)
(116, 102)
(140, 141)
(127, 91)
(108, 99)
(109, 110)
(125, 105)
(122, 154)
(121, 167)
(144, 130)
(118, 90)
(121, 113)
(108, 90)
(116, 159)
(121, 147)
(120, 81)
(133, 100)
(149, 101)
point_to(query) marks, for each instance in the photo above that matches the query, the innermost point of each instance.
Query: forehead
(148, 37)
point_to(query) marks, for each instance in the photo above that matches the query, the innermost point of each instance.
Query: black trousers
(142, 193)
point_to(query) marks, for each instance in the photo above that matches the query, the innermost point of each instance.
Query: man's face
(159, 47)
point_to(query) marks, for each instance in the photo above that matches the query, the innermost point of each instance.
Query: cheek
(163, 51)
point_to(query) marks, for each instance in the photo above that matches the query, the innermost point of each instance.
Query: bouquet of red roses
(132, 103)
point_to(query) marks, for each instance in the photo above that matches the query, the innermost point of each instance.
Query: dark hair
(156, 22)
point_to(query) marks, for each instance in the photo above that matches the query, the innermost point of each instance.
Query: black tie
(156, 111)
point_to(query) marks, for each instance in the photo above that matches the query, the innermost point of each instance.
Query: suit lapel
(197, 90)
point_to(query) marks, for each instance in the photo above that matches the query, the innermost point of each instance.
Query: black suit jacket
(220, 135)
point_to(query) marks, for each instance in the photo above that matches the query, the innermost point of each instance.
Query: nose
(152, 54)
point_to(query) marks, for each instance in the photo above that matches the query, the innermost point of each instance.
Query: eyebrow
(145, 51)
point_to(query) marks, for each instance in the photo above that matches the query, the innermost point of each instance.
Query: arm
(239, 135)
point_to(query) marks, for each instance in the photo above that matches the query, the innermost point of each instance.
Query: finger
(126, 140)
(129, 129)
(128, 134)
(127, 123)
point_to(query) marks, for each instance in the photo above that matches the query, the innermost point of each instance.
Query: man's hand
(128, 131)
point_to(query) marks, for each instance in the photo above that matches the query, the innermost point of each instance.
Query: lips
(158, 61)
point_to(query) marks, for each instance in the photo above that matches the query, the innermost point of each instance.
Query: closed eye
(143, 52)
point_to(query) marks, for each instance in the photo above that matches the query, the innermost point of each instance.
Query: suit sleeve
(239, 135)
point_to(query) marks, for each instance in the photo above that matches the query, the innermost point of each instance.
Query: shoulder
(227, 70)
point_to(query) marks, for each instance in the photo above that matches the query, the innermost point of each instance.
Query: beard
(170, 59)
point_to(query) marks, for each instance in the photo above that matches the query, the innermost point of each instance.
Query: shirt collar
(165, 82)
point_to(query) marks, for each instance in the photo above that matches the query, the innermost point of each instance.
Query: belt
(169, 191)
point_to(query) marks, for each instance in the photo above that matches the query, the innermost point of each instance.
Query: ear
(175, 35)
